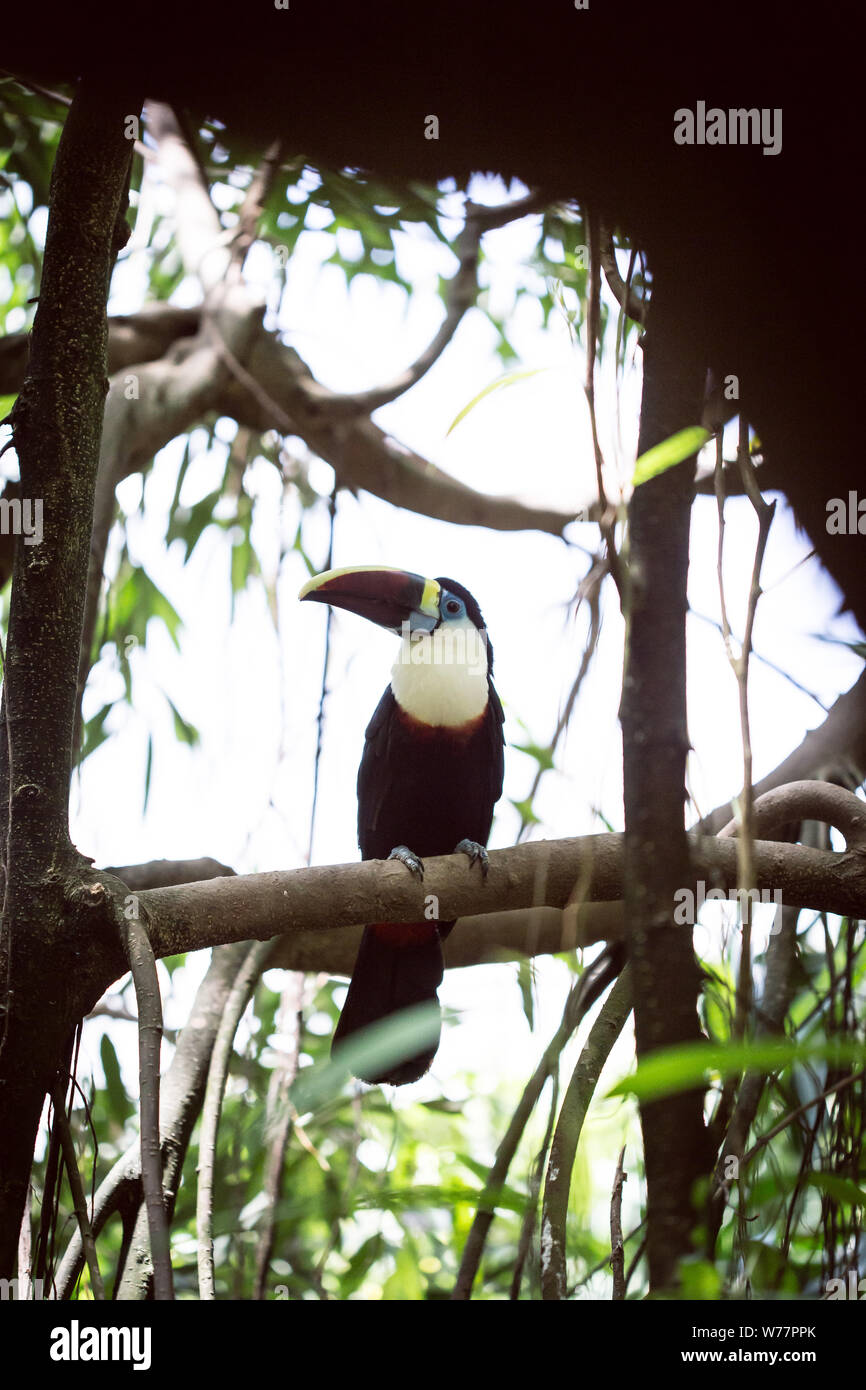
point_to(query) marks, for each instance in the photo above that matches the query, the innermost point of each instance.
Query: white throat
(440, 677)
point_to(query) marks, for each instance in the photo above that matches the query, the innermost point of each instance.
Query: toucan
(430, 776)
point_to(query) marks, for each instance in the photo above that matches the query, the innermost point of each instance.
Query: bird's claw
(409, 858)
(477, 854)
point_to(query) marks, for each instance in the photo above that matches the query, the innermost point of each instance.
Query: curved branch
(170, 395)
(245, 983)
(575, 1009)
(595, 1052)
(365, 456)
(798, 801)
(838, 745)
(460, 296)
(628, 299)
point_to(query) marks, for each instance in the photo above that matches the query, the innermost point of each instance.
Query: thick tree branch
(365, 457)
(132, 338)
(200, 239)
(836, 745)
(259, 906)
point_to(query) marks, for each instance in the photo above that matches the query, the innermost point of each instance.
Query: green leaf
(184, 732)
(669, 453)
(406, 1282)
(691, 1064)
(181, 474)
(840, 1189)
(542, 756)
(244, 562)
(188, 523)
(361, 1263)
(374, 1049)
(525, 811)
(489, 1198)
(148, 769)
(699, 1280)
(525, 979)
(134, 601)
(508, 380)
(118, 1101)
(95, 732)
(858, 648)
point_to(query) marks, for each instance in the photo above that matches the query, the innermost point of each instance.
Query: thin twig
(801, 1110)
(253, 205)
(460, 295)
(765, 513)
(530, 1216)
(25, 1248)
(79, 1201)
(590, 588)
(572, 1015)
(765, 661)
(323, 692)
(474, 1247)
(279, 1119)
(281, 1115)
(617, 1248)
(607, 521)
(636, 1257)
(740, 667)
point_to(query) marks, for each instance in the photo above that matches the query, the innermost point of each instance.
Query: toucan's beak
(388, 597)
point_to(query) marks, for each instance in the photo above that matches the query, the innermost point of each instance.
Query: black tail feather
(399, 966)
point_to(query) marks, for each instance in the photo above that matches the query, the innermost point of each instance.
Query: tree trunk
(655, 744)
(48, 933)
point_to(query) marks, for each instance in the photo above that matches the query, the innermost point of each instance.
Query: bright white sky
(243, 796)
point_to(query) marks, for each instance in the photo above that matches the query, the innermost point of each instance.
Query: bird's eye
(453, 606)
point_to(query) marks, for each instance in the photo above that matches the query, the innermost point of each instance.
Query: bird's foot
(409, 858)
(477, 854)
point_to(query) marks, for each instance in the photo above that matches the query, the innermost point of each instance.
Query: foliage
(378, 1198)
